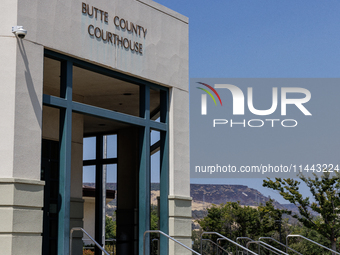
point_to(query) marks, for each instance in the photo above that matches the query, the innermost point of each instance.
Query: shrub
(88, 252)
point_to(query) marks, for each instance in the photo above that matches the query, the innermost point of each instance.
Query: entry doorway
(111, 146)
(80, 100)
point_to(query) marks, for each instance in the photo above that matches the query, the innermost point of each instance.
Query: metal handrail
(106, 240)
(275, 250)
(270, 238)
(225, 238)
(311, 242)
(217, 246)
(260, 245)
(169, 237)
(81, 229)
(241, 237)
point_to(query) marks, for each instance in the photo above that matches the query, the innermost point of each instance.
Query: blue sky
(261, 39)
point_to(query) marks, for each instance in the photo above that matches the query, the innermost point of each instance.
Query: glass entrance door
(50, 174)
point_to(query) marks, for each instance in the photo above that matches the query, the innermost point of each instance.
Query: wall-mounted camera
(19, 31)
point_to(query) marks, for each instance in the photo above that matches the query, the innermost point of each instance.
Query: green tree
(215, 220)
(234, 220)
(325, 191)
(272, 219)
(154, 218)
(306, 247)
(110, 228)
(245, 220)
(196, 238)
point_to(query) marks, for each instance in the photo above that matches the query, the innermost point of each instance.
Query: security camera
(19, 31)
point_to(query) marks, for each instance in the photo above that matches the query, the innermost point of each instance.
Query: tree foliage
(154, 218)
(110, 228)
(304, 246)
(325, 191)
(154, 225)
(234, 220)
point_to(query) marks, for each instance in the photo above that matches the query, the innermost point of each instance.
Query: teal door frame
(67, 106)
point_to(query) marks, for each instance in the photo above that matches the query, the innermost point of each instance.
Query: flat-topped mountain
(204, 195)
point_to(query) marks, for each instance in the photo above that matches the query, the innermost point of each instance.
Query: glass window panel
(155, 156)
(155, 182)
(89, 174)
(112, 146)
(111, 176)
(155, 136)
(89, 148)
(111, 185)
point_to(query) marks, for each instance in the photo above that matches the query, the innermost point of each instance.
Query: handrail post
(152, 242)
(71, 233)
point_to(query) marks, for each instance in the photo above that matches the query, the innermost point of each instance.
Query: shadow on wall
(30, 84)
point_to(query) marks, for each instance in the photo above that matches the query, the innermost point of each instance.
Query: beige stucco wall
(21, 100)
(7, 101)
(20, 143)
(179, 198)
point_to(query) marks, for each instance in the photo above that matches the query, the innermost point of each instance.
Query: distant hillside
(218, 194)
(215, 194)
(204, 195)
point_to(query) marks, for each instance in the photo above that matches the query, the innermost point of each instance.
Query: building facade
(91, 69)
